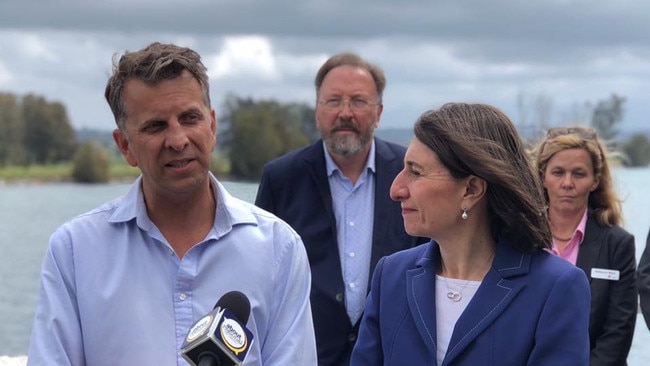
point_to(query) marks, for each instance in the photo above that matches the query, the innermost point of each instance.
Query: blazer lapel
(420, 294)
(492, 298)
(315, 162)
(386, 168)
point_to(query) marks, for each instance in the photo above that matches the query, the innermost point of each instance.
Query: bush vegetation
(90, 164)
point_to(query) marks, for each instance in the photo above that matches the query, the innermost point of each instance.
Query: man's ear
(122, 143)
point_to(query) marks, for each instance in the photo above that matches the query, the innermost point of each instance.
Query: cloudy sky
(567, 53)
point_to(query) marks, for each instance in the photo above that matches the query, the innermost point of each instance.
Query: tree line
(34, 131)
(605, 117)
(251, 132)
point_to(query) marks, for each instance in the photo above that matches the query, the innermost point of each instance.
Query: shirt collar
(580, 230)
(230, 211)
(131, 206)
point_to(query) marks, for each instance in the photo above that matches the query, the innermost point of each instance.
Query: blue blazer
(295, 187)
(529, 310)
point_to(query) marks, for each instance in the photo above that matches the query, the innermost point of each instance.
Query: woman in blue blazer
(485, 290)
(585, 214)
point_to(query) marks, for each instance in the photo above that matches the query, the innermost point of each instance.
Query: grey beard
(347, 145)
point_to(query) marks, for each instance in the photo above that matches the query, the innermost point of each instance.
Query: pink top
(570, 251)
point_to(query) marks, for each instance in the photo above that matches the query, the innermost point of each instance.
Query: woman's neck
(564, 223)
(469, 263)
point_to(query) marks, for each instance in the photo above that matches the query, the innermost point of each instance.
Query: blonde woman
(585, 214)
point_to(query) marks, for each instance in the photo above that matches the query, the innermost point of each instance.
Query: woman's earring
(464, 214)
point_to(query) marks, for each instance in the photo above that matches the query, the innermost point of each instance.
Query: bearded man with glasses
(335, 194)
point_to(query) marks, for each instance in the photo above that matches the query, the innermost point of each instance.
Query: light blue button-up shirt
(113, 292)
(354, 207)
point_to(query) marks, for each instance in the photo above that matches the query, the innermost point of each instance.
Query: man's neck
(352, 166)
(184, 220)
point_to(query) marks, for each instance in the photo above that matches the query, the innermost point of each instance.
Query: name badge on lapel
(605, 274)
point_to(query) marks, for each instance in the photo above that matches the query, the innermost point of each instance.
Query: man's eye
(190, 118)
(154, 126)
(360, 103)
(333, 102)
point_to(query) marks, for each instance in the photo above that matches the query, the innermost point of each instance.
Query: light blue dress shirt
(113, 292)
(354, 207)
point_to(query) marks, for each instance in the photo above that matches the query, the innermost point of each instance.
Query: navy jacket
(295, 187)
(614, 304)
(529, 310)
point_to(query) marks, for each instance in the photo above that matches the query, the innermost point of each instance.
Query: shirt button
(339, 297)
(352, 255)
(182, 296)
(352, 285)
(351, 223)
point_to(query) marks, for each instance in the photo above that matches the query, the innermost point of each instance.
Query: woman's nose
(567, 180)
(397, 190)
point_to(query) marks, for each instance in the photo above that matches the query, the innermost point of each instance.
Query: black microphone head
(237, 303)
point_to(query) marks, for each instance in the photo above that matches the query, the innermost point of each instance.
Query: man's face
(169, 134)
(348, 110)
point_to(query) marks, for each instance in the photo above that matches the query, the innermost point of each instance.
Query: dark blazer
(529, 310)
(643, 281)
(295, 187)
(614, 304)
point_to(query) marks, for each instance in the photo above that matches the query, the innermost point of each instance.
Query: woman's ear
(475, 189)
(595, 185)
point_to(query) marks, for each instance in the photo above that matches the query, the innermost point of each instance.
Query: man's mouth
(179, 163)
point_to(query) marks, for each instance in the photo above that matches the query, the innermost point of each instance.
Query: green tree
(304, 114)
(254, 132)
(63, 135)
(637, 150)
(48, 136)
(11, 131)
(606, 115)
(254, 141)
(90, 164)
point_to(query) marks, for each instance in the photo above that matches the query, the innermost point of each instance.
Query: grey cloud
(585, 21)
(432, 51)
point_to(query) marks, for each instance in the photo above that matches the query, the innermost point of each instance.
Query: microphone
(220, 338)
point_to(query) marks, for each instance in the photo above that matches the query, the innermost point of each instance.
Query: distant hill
(402, 136)
(103, 136)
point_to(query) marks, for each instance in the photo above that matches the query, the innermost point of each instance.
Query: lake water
(29, 214)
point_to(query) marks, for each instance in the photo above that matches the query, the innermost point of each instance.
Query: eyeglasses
(355, 104)
(584, 132)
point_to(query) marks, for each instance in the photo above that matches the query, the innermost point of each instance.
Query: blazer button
(339, 297)
(352, 337)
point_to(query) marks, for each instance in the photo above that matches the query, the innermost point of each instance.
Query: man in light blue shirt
(123, 284)
(351, 203)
